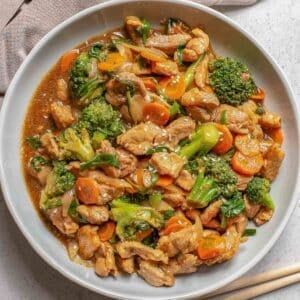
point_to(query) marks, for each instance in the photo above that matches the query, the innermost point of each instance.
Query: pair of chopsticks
(252, 286)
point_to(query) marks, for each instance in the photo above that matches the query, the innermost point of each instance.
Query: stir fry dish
(147, 153)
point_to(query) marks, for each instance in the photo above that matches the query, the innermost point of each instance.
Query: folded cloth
(27, 22)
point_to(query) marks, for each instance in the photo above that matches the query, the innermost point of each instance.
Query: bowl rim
(6, 190)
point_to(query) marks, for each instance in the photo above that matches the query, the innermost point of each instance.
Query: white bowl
(228, 38)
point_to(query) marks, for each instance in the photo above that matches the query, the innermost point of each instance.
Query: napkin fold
(24, 23)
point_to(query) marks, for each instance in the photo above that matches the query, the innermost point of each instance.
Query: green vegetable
(151, 240)
(97, 138)
(155, 199)
(131, 218)
(178, 54)
(249, 232)
(155, 149)
(47, 203)
(218, 169)
(233, 206)
(78, 144)
(37, 162)
(189, 75)
(34, 141)
(144, 30)
(231, 81)
(168, 214)
(192, 166)
(203, 192)
(98, 51)
(260, 110)
(258, 192)
(223, 118)
(176, 109)
(73, 213)
(59, 180)
(100, 116)
(205, 138)
(100, 160)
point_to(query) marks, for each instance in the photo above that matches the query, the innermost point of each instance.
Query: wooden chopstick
(256, 279)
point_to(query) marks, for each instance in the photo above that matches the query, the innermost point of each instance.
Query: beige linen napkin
(24, 23)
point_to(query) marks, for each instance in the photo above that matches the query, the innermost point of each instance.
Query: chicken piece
(202, 73)
(198, 113)
(211, 212)
(88, 241)
(270, 121)
(126, 264)
(114, 99)
(236, 120)
(131, 248)
(198, 44)
(273, 160)
(73, 248)
(94, 214)
(62, 90)
(105, 260)
(140, 138)
(251, 208)
(264, 215)
(49, 142)
(141, 178)
(41, 174)
(107, 194)
(195, 97)
(167, 68)
(174, 196)
(265, 145)
(127, 161)
(167, 43)
(63, 223)
(155, 274)
(240, 221)
(61, 114)
(242, 181)
(185, 180)
(189, 55)
(132, 23)
(183, 241)
(167, 163)
(127, 77)
(183, 264)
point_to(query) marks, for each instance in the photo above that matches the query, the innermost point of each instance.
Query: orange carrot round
(112, 62)
(276, 135)
(87, 190)
(150, 83)
(67, 60)
(164, 180)
(246, 165)
(247, 145)
(106, 231)
(156, 113)
(174, 224)
(210, 247)
(225, 141)
(140, 235)
(173, 87)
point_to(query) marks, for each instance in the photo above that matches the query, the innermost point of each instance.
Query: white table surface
(24, 275)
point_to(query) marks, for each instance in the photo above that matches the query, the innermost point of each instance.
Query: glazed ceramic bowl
(228, 38)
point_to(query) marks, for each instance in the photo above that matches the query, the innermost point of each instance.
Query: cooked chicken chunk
(243, 181)
(94, 214)
(128, 77)
(270, 120)
(168, 43)
(211, 212)
(198, 113)
(63, 223)
(126, 264)
(236, 120)
(129, 249)
(201, 72)
(48, 141)
(105, 260)
(41, 174)
(61, 114)
(240, 222)
(183, 241)
(185, 180)
(174, 196)
(62, 90)
(167, 68)
(167, 163)
(264, 215)
(155, 274)
(132, 23)
(251, 208)
(88, 241)
(183, 264)
(195, 97)
(273, 160)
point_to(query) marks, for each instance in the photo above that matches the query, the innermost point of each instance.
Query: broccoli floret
(84, 87)
(47, 202)
(218, 169)
(203, 192)
(231, 81)
(98, 51)
(100, 116)
(258, 192)
(100, 160)
(260, 110)
(132, 218)
(77, 144)
(37, 162)
(34, 141)
(233, 206)
(59, 180)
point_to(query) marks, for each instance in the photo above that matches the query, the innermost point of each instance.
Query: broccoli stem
(268, 202)
(190, 72)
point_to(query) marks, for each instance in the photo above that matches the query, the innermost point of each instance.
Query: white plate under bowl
(228, 38)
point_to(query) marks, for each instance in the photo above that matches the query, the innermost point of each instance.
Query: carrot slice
(247, 145)
(164, 180)
(259, 96)
(87, 190)
(67, 60)
(150, 83)
(246, 165)
(113, 61)
(225, 141)
(192, 213)
(210, 247)
(106, 231)
(156, 113)
(175, 224)
(173, 87)
(140, 235)
(276, 135)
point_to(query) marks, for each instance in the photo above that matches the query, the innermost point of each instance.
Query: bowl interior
(226, 40)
